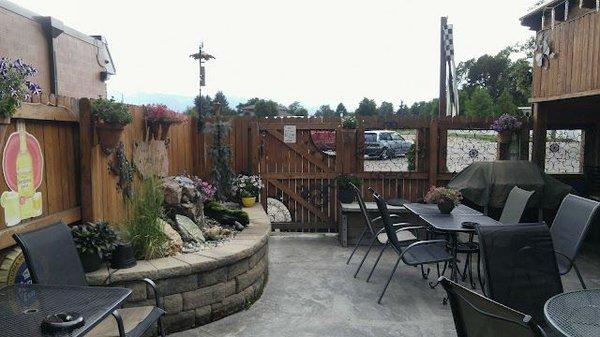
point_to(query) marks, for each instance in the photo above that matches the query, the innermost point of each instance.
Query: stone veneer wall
(202, 287)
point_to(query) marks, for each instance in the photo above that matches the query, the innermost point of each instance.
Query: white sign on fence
(289, 134)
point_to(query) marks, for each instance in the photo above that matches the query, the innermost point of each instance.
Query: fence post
(433, 151)
(538, 153)
(90, 163)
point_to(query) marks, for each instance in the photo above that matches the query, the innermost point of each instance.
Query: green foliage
(191, 111)
(481, 103)
(296, 109)
(142, 228)
(386, 109)
(505, 104)
(341, 110)
(325, 111)
(425, 109)
(266, 108)
(224, 215)
(343, 181)
(403, 109)
(111, 112)
(411, 156)
(203, 106)
(94, 237)
(367, 107)
(225, 109)
(349, 121)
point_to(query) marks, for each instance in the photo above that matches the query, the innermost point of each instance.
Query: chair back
(515, 205)
(51, 256)
(387, 221)
(570, 227)
(477, 316)
(519, 266)
(363, 207)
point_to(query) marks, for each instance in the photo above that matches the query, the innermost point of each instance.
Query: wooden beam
(90, 162)
(539, 136)
(67, 216)
(294, 196)
(43, 112)
(594, 92)
(310, 157)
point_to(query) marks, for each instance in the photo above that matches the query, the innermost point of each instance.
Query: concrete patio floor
(311, 292)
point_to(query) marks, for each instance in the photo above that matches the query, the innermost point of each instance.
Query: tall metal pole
(200, 78)
(442, 109)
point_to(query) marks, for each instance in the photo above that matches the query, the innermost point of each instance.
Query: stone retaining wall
(202, 287)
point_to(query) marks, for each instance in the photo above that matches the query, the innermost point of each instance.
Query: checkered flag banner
(452, 103)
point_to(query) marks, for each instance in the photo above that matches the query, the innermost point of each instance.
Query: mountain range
(175, 102)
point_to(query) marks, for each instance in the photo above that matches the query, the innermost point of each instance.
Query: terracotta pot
(164, 130)
(248, 201)
(153, 130)
(445, 205)
(505, 137)
(4, 123)
(109, 135)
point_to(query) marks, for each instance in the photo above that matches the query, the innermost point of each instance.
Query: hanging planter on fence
(109, 135)
(159, 119)
(110, 118)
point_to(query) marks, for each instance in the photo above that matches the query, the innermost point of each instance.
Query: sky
(315, 52)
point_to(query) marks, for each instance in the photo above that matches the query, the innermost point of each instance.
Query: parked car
(385, 144)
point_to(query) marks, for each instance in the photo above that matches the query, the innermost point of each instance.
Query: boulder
(213, 233)
(172, 190)
(176, 243)
(188, 229)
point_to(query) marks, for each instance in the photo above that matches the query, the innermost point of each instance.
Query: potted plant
(110, 118)
(95, 242)
(14, 88)
(349, 121)
(445, 198)
(247, 188)
(505, 125)
(345, 192)
(159, 119)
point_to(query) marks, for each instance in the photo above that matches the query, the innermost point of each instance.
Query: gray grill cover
(488, 183)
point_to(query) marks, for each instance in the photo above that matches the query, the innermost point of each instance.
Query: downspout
(53, 28)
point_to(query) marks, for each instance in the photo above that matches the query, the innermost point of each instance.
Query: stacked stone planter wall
(202, 287)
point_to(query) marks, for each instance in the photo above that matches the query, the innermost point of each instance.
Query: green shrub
(111, 112)
(94, 237)
(217, 211)
(142, 228)
(343, 182)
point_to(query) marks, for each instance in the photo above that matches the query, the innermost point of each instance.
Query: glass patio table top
(423, 209)
(24, 306)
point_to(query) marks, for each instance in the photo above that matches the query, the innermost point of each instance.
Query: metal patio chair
(416, 254)
(52, 259)
(379, 236)
(477, 316)
(519, 266)
(568, 230)
(515, 205)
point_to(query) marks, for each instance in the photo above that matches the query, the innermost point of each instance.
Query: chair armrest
(422, 243)
(409, 228)
(156, 292)
(379, 219)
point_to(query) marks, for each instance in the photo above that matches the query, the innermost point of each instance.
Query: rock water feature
(184, 206)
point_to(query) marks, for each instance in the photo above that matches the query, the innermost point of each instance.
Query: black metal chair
(380, 236)
(569, 228)
(52, 259)
(416, 254)
(477, 316)
(519, 266)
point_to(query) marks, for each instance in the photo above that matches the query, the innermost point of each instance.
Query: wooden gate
(299, 174)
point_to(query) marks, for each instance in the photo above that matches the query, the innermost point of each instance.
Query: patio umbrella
(488, 183)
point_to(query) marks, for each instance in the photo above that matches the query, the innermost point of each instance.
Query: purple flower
(506, 122)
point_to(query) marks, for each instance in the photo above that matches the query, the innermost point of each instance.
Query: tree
(221, 99)
(386, 109)
(266, 108)
(367, 107)
(480, 104)
(325, 111)
(505, 104)
(341, 110)
(297, 109)
(403, 109)
(425, 109)
(203, 105)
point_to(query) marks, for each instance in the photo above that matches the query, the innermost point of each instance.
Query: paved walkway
(311, 292)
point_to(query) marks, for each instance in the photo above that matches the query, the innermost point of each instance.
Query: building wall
(78, 71)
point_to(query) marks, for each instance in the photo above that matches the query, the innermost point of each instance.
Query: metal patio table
(24, 306)
(574, 313)
(422, 209)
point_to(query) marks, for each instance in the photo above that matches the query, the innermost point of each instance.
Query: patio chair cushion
(426, 254)
(135, 321)
(402, 236)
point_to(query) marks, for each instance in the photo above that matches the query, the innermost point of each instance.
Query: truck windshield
(370, 137)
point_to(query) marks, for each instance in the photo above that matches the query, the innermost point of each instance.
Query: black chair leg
(357, 244)
(389, 279)
(377, 261)
(365, 257)
(579, 276)
(161, 328)
(481, 284)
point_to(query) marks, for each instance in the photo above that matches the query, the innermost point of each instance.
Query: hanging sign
(23, 164)
(289, 134)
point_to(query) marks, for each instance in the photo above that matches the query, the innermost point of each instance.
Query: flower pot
(164, 130)
(109, 135)
(123, 256)
(153, 130)
(248, 201)
(91, 261)
(346, 196)
(505, 137)
(445, 205)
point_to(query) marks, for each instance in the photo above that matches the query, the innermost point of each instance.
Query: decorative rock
(174, 237)
(238, 226)
(214, 233)
(188, 229)
(172, 190)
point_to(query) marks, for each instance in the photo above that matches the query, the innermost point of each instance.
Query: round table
(575, 313)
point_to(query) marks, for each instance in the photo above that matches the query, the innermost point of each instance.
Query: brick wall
(78, 71)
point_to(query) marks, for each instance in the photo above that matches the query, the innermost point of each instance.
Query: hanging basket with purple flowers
(506, 125)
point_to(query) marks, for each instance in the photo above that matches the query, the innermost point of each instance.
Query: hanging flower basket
(506, 125)
(159, 119)
(109, 135)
